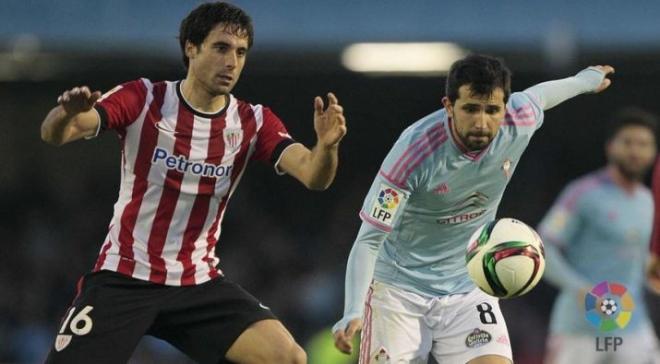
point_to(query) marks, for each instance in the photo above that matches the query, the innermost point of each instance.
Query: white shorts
(638, 347)
(404, 327)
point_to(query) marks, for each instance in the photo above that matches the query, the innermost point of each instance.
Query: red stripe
(414, 146)
(167, 204)
(391, 181)
(206, 189)
(365, 343)
(148, 140)
(655, 238)
(249, 126)
(103, 255)
(429, 141)
(433, 145)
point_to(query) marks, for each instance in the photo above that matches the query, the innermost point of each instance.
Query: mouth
(225, 79)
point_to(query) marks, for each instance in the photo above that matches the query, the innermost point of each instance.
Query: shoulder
(582, 189)
(522, 110)
(415, 148)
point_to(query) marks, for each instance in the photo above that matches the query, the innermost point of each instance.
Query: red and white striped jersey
(179, 168)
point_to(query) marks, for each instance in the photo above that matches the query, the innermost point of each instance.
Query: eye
(471, 108)
(492, 110)
(241, 52)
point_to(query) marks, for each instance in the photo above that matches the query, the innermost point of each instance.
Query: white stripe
(184, 207)
(156, 179)
(131, 144)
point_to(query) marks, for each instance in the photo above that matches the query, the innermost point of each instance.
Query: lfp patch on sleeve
(385, 205)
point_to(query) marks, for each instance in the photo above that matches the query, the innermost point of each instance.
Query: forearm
(61, 127)
(560, 273)
(360, 271)
(54, 127)
(551, 93)
(321, 167)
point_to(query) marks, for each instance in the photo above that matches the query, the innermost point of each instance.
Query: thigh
(265, 341)
(394, 330)
(471, 327)
(204, 321)
(105, 321)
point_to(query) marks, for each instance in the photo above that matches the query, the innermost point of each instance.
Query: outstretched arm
(551, 93)
(359, 273)
(316, 168)
(74, 117)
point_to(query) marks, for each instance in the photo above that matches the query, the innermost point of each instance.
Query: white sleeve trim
(277, 163)
(98, 125)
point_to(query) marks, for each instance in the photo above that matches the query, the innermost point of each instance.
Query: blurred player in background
(599, 230)
(185, 146)
(443, 178)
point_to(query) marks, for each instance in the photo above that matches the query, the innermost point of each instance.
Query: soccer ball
(505, 258)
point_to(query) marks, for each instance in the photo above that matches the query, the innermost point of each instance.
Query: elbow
(318, 186)
(47, 137)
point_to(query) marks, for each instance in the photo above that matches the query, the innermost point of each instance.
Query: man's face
(477, 118)
(632, 151)
(217, 63)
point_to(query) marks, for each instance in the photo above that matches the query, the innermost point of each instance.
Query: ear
(191, 50)
(448, 106)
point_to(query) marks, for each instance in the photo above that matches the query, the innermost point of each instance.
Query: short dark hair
(632, 116)
(483, 74)
(198, 24)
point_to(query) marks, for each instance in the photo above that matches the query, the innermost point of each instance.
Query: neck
(457, 138)
(200, 98)
(626, 183)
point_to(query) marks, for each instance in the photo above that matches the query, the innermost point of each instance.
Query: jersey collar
(199, 112)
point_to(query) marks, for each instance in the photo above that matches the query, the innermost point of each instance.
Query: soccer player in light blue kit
(443, 178)
(599, 230)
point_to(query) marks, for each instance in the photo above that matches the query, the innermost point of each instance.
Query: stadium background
(286, 245)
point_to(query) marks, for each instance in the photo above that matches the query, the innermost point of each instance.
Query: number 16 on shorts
(80, 324)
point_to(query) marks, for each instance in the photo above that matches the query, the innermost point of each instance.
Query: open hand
(607, 70)
(329, 124)
(78, 99)
(344, 337)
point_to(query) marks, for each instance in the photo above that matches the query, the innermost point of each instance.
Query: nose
(231, 60)
(480, 121)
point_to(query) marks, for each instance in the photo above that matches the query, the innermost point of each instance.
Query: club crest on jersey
(385, 204)
(506, 167)
(61, 342)
(233, 138)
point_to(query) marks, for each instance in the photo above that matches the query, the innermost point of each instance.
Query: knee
(298, 355)
(294, 354)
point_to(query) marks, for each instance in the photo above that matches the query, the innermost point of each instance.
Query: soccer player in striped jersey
(443, 178)
(184, 147)
(599, 230)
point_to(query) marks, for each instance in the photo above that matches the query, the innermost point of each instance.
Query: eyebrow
(225, 44)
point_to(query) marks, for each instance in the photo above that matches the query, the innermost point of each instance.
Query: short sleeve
(523, 111)
(395, 182)
(272, 138)
(122, 105)
(561, 224)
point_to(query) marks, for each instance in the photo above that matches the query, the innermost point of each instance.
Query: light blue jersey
(596, 231)
(431, 195)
